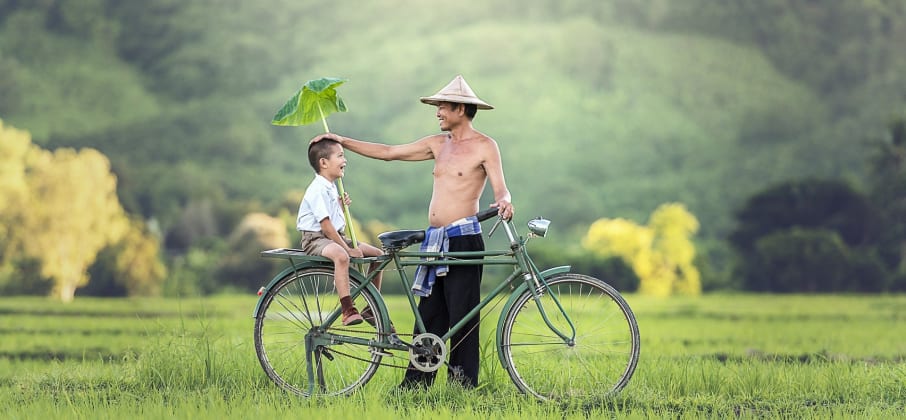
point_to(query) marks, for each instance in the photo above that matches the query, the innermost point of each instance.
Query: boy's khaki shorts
(313, 243)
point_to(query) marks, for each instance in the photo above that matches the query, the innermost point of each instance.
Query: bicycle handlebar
(486, 214)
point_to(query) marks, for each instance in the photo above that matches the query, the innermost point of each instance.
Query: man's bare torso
(459, 177)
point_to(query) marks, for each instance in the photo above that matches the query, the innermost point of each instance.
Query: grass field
(747, 356)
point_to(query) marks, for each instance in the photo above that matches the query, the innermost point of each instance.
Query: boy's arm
(328, 230)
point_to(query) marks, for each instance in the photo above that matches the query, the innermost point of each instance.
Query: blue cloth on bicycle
(437, 240)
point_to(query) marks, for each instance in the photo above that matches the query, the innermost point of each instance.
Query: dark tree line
(820, 235)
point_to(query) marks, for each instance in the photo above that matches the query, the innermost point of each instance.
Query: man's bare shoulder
(483, 136)
(486, 142)
(433, 139)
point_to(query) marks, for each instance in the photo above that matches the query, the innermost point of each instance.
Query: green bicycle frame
(533, 281)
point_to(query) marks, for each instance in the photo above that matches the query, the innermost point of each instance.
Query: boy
(321, 223)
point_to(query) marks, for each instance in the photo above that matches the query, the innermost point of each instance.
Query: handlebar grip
(487, 214)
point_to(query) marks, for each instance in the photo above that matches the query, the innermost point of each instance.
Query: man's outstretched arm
(417, 150)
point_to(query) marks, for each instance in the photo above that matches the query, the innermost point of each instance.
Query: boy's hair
(318, 150)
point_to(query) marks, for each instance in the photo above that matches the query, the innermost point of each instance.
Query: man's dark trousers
(452, 297)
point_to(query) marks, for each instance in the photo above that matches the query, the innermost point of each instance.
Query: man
(464, 160)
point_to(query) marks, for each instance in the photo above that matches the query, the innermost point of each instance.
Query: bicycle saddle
(399, 239)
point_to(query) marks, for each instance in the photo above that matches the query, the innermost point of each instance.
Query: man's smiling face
(449, 115)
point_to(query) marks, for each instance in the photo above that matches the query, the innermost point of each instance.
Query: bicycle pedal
(395, 340)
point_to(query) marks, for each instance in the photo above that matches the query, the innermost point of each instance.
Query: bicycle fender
(299, 267)
(550, 272)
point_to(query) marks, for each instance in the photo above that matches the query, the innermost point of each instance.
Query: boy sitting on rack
(321, 223)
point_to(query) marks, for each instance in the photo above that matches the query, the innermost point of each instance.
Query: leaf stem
(323, 118)
(355, 243)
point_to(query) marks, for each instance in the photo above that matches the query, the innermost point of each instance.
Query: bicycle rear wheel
(295, 305)
(597, 364)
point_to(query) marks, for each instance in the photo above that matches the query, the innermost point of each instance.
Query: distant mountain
(603, 109)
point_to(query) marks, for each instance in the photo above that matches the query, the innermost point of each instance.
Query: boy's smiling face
(334, 166)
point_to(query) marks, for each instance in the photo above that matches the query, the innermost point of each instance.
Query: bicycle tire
(294, 306)
(600, 362)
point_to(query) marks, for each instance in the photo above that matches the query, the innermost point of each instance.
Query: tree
(130, 267)
(673, 227)
(73, 212)
(808, 203)
(242, 265)
(812, 235)
(661, 254)
(889, 193)
(800, 260)
(14, 145)
(66, 212)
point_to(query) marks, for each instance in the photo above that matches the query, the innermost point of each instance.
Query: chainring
(428, 352)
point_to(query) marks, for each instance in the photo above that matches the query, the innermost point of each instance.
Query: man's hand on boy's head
(316, 139)
(323, 136)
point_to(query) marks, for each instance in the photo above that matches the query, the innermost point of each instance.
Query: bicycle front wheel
(596, 363)
(296, 305)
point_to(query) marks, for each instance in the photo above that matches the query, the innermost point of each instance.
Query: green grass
(749, 356)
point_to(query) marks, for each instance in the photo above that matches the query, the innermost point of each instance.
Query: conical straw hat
(457, 91)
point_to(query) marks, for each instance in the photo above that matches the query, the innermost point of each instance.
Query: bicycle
(560, 335)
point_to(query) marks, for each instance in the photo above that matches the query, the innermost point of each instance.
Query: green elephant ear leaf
(316, 100)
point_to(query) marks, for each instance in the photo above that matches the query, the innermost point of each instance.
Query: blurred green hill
(602, 108)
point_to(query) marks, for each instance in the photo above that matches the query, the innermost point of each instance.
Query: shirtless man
(464, 160)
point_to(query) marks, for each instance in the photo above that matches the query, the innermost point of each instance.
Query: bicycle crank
(428, 352)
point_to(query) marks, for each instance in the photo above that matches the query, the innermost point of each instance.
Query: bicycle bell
(538, 226)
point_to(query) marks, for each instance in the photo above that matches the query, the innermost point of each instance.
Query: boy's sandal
(352, 319)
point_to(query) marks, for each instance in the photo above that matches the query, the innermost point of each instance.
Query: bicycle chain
(360, 332)
(390, 355)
